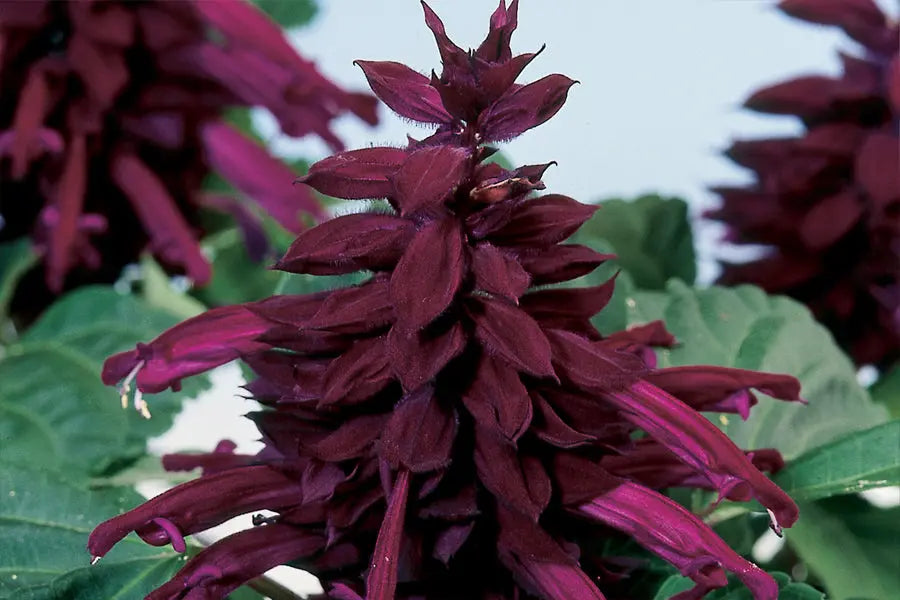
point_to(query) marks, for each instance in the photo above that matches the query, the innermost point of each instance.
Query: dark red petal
(861, 19)
(543, 221)
(498, 400)
(349, 243)
(568, 308)
(416, 356)
(539, 563)
(358, 374)
(551, 428)
(878, 169)
(495, 47)
(356, 174)
(381, 581)
(218, 570)
(193, 506)
(806, 97)
(722, 389)
(496, 79)
(520, 109)
(893, 83)
(355, 310)
(500, 471)
(429, 274)
(250, 168)
(406, 92)
(451, 54)
(578, 479)
(696, 550)
(512, 335)
(561, 262)
(450, 540)
(419, 435)
(170, 235)
(428, 176)
(831, 218)
(498, 272)
(591, 366)
(352, 439)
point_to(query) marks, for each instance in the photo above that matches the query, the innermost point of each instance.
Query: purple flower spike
(117, 108)
(827, 203)
(433, 431)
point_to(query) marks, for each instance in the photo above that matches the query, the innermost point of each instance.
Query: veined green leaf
(743, 327)
(787, 589)
(860, 461)
(650, 235)
(45, 520)
(55, 408)
(850, 545)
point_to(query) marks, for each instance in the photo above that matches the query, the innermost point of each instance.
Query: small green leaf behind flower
(55, 410)
(45, 519)
(651, 236)
(854, 463)
(787, 590)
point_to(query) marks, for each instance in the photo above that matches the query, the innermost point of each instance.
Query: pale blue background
(661, 85)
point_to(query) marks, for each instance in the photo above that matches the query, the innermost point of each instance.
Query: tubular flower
(451, 428)
(827, 203)
(111, 116)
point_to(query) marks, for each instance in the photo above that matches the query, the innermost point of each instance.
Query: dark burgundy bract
(828, 202)
(450, 428)
(111, 117)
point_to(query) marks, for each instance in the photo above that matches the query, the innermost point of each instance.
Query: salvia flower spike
(448, 428)
(827, 203)
(111, 115)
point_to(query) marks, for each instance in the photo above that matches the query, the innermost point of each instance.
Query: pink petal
(169, 234)
(667, 529)
(250, 168)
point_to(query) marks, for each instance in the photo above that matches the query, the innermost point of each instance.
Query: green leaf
(850, 545)
(735, 590)
(294, 283)
(651, 236)
(886, 391)
(54, 406)
(44, 524)
(863, 460)
(743, 327)
(54, 410)
(289, 13)
(16, 258)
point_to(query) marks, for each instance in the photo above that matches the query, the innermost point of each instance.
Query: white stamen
(95, 560)
(140, 404)
(773, 523)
